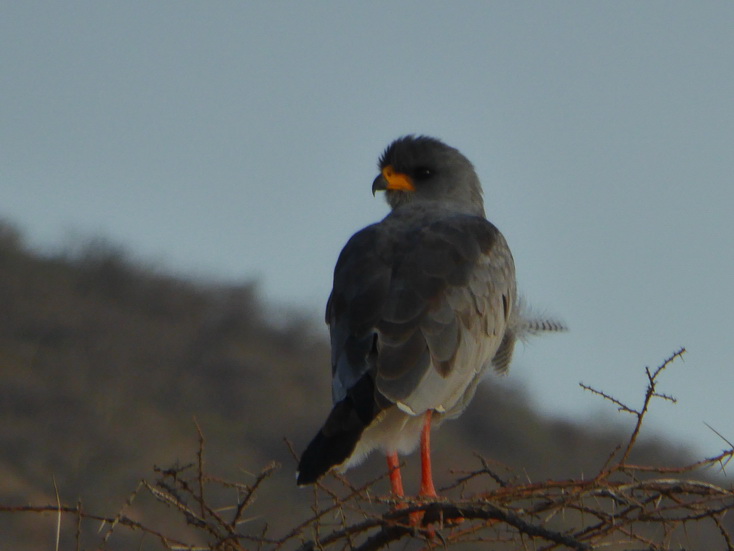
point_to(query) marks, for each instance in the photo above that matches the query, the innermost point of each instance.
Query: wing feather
(417, 306)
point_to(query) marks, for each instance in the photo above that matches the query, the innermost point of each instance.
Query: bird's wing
(419, 306)
(361, 285)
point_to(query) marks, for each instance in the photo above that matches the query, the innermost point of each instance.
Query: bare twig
(620, 406)
(644, 506)
(245, 502)
(200, 464)
(58, 515)
(79, 524)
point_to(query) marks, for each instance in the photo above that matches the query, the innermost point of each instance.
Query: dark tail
(333, 445)
(337, 439)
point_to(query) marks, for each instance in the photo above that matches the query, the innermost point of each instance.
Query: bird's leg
(396, 480)
(427, 487)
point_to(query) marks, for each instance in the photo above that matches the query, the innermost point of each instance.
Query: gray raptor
(423, 303)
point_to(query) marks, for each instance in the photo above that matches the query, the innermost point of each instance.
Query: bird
(423, 303)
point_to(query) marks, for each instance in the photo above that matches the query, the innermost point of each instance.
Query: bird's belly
(448, 393)
(391, 431)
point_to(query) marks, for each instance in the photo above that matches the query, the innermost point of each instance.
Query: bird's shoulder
(412, 255)
(406, 228)
(437, 243)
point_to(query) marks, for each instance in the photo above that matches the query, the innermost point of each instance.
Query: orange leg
(396, 480)
(427, 487)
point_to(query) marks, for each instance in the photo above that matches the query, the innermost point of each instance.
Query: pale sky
(239, 140)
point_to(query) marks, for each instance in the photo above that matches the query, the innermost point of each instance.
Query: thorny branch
(625, 506)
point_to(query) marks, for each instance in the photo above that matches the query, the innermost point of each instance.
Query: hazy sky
(239, 140)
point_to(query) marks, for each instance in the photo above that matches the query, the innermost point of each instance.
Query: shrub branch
(624, 505)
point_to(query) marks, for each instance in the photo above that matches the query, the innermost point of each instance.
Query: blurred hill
(104, 364)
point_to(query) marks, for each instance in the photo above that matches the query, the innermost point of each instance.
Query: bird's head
(420, 168)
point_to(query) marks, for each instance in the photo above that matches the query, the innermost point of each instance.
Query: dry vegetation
(105, 364)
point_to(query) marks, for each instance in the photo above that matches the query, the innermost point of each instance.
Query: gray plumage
(422, 304)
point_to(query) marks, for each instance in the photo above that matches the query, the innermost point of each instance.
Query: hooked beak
(389, 179)
(379, 184)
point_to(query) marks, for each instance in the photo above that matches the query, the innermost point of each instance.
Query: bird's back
(420, 306)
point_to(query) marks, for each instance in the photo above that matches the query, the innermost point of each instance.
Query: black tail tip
(303, 478)
(325, 453)
(333, 444)
(315, 462)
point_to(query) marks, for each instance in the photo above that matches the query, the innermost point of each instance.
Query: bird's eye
(422, 172)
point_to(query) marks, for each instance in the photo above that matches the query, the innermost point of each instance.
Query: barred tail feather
(527, 323)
